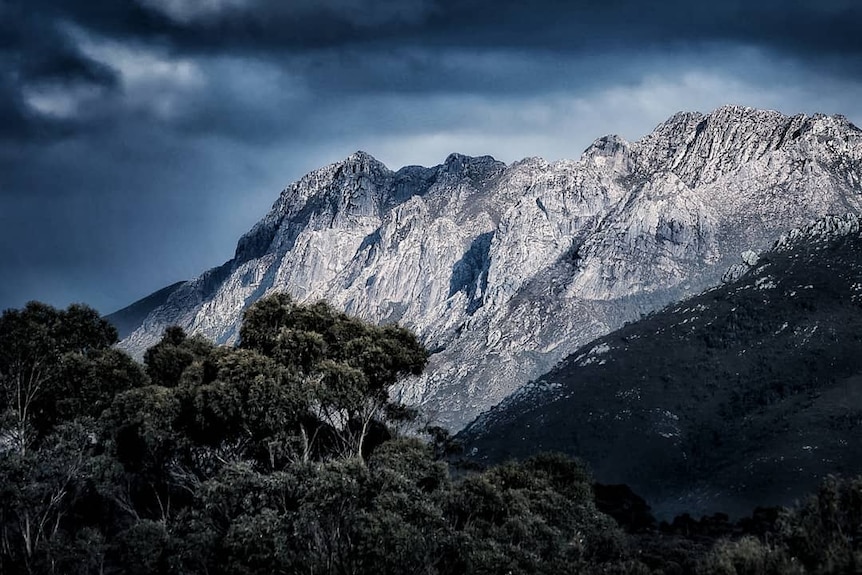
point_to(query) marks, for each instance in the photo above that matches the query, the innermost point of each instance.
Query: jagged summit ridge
(504, 269)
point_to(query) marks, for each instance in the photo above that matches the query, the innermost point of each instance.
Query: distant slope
(131, 317)
(746, 394)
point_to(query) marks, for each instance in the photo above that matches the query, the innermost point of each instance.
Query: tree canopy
(283, 455)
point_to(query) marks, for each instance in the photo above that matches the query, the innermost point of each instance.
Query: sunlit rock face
(503, 270)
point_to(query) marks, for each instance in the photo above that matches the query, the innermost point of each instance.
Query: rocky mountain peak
(611, 152)
(682, 121)
(474, 168)
(362, 163)
(701, 148)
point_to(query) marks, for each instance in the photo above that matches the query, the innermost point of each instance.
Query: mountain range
(505, 270)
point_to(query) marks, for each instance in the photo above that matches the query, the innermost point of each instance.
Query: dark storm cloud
(244, 24)
(140, 138)
(788, 24)
(34, 52)
(827, 26)
(208, 26)
(373, 46)
(335, 48)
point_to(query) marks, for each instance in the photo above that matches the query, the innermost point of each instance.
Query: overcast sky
(140, 138)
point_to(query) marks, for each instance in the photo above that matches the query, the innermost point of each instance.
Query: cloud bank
(139, 139)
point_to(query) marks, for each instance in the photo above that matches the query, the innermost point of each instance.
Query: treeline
(286, 455)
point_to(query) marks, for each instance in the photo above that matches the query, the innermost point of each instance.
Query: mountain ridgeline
(747, 394)
(504, 270)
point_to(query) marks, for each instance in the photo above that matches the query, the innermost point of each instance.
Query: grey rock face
(504, 270)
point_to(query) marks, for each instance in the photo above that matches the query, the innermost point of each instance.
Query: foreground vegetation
(286, 455)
